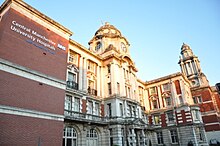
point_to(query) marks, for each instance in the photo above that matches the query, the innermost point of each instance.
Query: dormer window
(98, 46)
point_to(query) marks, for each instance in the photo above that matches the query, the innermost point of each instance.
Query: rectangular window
(90, 107)
(199, 98)
(92, 66)
(68, 103)
(121, 109)
(71, 77)
(168, 101)
(96, 108)
(160, 137)
(153, 90)
(109, 89)
(174, 137)
(76, 104)
(194, 100)
(156, 119)
(141, 94)
(155, 104)
(109, 109)
(166, 87)
(73, 57)
(134, 111)
(170, 116)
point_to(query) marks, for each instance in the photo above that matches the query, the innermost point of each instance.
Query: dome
(108, 30)
(185, 47)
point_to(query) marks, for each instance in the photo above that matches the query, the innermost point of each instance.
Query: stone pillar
(183, 68)
(183, 91)
(173, 93)
(102, 82)
(98, 80)
(125, 109)
(160, 97)
(195, 66)
(84, 79)
(117, 135)
(122, 81)
(113, 78)
(192, 70)
(81, 70)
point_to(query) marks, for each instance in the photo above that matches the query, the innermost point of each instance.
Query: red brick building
(33, 52)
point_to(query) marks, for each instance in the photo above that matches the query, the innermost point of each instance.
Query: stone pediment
(73, 68)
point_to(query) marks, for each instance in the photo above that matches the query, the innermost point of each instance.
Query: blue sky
(156, 29)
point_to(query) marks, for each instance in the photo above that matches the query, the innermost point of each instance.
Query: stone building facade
(54, 91)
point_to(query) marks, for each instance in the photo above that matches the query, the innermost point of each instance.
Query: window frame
(174, 136)
(170, 119)
(73, 135)
(73, 57)
(160, 137)
(157, 121)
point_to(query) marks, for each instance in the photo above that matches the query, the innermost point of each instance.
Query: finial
(107, 23)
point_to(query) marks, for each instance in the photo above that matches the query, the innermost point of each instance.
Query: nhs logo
(61, 47)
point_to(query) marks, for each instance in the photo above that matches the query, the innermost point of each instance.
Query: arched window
(92, 137)
(69, 137)
(98, 46)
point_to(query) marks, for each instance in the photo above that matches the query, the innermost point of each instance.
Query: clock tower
(190, 67)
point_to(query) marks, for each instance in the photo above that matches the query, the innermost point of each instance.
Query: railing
(92, 91)
(84, 117)
(72, 85)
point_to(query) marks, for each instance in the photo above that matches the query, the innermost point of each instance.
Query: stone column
(195, 66)
(98, 80)
(102, 82)
(160, 97)
(183, 91)
(113, 78)
(173, 93)
(81, 70)
(192, 70)
(183, 68)
(84, 79)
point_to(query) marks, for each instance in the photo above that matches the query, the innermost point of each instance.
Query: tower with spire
(190, 67)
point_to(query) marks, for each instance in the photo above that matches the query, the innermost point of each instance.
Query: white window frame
(73, 136)
(174, 136)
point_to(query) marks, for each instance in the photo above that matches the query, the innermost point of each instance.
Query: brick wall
(27, 131)
(24, 93)
(16, 46)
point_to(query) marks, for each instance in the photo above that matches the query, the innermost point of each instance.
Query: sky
(155, 29)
